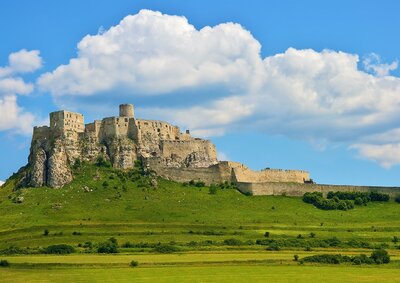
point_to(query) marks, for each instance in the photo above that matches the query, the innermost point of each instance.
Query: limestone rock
(59, 172)
(38, 177)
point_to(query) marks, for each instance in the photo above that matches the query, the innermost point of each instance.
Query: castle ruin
(122, 140)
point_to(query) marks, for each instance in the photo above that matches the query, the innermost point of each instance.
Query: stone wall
(293, 189)
(244, 174)
(208, 175)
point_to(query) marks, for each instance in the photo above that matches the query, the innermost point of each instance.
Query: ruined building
(124, 139)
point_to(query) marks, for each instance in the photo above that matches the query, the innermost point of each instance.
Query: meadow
(221, 237)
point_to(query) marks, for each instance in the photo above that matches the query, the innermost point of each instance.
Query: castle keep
(124, 139)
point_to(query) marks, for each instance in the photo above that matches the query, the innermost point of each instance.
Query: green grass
(229, 273)
(131, 210)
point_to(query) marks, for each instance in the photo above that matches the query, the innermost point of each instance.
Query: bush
(108, 247)
(59, 249)
(102, 162)
(4, 263)
(397, 199)
(296, 258)
(13, 251)
(134, 263)
(165, 249)
(380, 256)
(46, 232)
(266, 234)
(233, 242)
(273, 247)
(326, 258)
(212, 190)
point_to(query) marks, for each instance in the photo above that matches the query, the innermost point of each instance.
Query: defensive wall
(208, 175)
(297, 189)
(244, 174)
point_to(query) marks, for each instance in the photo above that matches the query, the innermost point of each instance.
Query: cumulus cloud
(1, 183)
(372, 63)
(153, 53)
(12, 116)
(307, 94)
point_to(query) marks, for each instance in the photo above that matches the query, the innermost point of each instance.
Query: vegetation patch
(59, 249)
(377, 257)
(343, 200)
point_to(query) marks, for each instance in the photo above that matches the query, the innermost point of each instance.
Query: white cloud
(12, 116)
(23, 61)
(1, 183)
(387, 154)
(372, 63)
(318, 96)
(154, 53)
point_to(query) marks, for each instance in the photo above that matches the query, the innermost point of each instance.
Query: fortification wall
(116, 127)
(158, 129)
(182, 149)
(209, 175)
(292, 189)
(41, 133)
(244, 174)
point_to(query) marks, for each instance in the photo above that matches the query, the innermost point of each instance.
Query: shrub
(165, 249)
(266, 234)
(296, 258)
(13, 250)
(46, 232)
(59, 249)
(395, 239)
(4, 263)
(102, 162)
(75, 233)
(380, 256)
(233, 242)
(397, 199)
(107, 247)
(273, 247)
(312, 235)
(134, 263)
(212, 190)
(325, 258)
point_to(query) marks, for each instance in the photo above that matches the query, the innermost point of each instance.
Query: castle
(122, 140)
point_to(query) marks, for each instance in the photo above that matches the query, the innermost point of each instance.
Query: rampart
(296, 189)
(244, 174)
(208, 175)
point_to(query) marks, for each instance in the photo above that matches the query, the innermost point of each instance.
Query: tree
(380, 256)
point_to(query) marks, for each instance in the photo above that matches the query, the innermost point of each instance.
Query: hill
(103, 202)
(216, 229)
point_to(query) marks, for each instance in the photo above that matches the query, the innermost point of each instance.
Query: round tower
(126, 110)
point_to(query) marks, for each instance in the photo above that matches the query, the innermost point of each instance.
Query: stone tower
(126, 110)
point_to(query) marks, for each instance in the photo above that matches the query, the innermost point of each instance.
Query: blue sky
(297, 84)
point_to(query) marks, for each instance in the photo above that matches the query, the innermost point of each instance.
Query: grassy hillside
(219, 232)
(103, 202)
